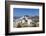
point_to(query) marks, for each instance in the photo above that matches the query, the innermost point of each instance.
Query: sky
(25, 11)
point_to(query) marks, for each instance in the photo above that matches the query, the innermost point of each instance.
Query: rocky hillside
(35, 21)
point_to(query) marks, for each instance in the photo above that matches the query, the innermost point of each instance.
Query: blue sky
(25, 11)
